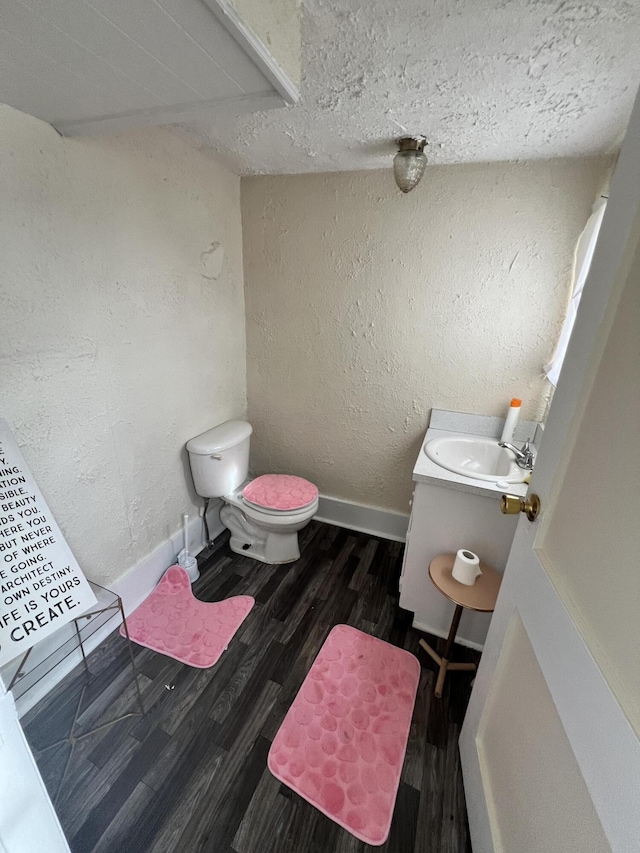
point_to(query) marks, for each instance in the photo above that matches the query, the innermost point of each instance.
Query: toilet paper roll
(466, 567)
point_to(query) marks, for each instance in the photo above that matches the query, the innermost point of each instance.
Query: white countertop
(427, 471)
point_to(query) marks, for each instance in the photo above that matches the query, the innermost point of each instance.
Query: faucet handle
(527, 455)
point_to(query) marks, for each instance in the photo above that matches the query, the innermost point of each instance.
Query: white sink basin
(478, 458)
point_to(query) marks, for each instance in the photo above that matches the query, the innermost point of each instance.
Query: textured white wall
(366, 307)
(121, 327)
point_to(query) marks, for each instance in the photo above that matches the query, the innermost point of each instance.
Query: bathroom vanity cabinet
(450, 512)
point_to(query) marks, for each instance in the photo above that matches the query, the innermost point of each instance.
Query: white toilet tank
(219, 458)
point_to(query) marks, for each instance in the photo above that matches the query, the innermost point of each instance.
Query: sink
(475, 457)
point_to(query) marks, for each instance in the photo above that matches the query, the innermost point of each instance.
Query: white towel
(581, 264)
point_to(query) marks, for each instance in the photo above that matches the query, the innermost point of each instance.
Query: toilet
(264, 514)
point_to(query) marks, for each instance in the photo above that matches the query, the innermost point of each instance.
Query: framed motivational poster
(41, 584)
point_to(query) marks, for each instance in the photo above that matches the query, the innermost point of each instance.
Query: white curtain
(581, 264)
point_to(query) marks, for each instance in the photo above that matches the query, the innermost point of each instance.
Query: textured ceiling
(484, 80)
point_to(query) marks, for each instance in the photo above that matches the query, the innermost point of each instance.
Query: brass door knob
(512, 505)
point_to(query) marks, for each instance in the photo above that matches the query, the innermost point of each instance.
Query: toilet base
(248, 539)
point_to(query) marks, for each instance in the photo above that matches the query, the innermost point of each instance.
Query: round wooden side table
(481, 596)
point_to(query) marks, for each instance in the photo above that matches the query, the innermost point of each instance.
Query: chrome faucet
(524, 456)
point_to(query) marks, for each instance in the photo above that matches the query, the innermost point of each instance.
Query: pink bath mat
(173, 622)
(343, 741)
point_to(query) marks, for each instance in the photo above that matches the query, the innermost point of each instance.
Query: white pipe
(185, 522)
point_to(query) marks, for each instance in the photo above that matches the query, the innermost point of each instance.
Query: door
(28, 823)
(550, 749)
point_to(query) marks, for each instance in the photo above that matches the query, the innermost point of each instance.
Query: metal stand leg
(453, 630)
(133, 661)
(443, 661)
(72, 738)
(19, 673)
(90, 620)
(84, 657)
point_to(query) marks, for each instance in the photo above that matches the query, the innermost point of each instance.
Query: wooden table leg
(444, 663)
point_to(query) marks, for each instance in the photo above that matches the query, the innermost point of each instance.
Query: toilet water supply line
(207, 538)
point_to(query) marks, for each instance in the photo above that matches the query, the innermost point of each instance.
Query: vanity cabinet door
(413, 574)
(444, 520)
(406, 545)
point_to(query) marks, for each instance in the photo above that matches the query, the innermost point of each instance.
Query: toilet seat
(279, 518)
(267, 535)
(258, 512)
(280, 493)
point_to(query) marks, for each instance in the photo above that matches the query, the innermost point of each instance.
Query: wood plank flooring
(191, 775)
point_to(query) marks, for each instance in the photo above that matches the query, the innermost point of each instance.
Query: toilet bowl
(269, 535)
(264, 514)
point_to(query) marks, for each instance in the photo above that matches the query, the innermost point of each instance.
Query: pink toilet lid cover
(280, 491)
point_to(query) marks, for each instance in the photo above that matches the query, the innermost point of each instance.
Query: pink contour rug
(343, 741)
(175, 623)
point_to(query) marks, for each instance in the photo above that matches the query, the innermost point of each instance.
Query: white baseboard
(133, 587)
(365, 519)
(469, 644)
(136, 584)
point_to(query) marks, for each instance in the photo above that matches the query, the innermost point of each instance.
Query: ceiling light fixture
(409, 163)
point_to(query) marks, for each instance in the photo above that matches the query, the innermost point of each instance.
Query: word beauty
(41, 585)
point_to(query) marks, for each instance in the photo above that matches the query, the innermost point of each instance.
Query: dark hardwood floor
(191, 774)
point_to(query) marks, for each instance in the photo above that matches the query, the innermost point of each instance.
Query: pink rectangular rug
(174, 622)
(343, 741)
